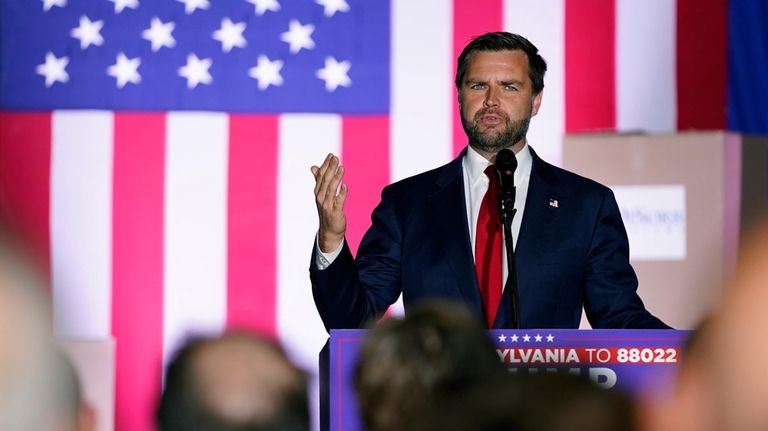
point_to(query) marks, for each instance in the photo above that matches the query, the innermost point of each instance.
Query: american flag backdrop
(158, 151)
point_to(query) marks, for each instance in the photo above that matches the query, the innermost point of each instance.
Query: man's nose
(491, 97)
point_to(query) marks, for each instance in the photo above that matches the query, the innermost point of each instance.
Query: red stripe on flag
(470, 20)
(252, 223)
(25, 165)
(702, 64)
(365, 150)
(137, 265)
(590, 78)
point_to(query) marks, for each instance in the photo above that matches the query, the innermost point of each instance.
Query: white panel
(645, 66)
(422, 80)
(305, 140)
(81, 223)
(655, 218)
(543, 23)
(195, 227)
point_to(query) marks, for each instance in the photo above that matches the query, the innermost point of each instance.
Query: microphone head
(506, 162)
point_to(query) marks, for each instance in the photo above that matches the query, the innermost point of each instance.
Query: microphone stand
(507, 214)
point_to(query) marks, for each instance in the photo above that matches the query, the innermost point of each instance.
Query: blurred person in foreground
(238, 381)
(723, 383)
(26, 366)
(550, 401)
(437, 348)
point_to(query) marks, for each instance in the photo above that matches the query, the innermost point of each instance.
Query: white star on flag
(196, 71)
(159, 34)
(48, 4)
(267, 72)
(514, 338)
(526, 338)
(53, 69)
(261, 6)
(122, 4)
(538, 338)
(333, 6)
(334, 74)
(192, 5)
(550, 338)
(125, 70)
(298, 36)
(502, 338)
(230, 35)
(88, 32)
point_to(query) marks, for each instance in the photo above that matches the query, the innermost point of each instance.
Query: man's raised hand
(330, 194)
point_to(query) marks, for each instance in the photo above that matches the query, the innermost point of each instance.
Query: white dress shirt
(475, 185)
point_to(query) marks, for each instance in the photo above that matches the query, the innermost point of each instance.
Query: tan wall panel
(708, 165)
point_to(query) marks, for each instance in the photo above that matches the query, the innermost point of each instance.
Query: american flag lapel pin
(553, 203)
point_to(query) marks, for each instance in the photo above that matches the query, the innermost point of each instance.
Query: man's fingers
(341, 197)
(333, 184)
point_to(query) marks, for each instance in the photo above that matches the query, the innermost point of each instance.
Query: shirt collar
(475, 164)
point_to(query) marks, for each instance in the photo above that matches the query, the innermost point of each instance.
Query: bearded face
(490, 129)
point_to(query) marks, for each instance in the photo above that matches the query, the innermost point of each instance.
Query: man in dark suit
(571, 248)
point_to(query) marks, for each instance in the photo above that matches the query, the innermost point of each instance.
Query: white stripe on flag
(645, 66)
(305, 140)
(543, 23)
(195, 229)
(81, 222)
(422, 78)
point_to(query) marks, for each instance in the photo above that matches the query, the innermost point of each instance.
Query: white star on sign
(230, 35)
(298, 36)
(502, 338)
(333, 6)
(53, 69)
(89, 32)
(334, 74)
(48, 4)
(537, 338)
(191, 5)
(125, 70)
(526, 338)
(196, 71)
(514, 338)
(159, 34)
(550, 338)
(262, 6)
(122, 4)
(267, 72)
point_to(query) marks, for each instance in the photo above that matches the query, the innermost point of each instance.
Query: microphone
(506, 163)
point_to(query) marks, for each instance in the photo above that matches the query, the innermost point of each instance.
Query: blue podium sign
(641, 362)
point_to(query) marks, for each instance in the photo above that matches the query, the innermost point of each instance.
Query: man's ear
(536, 103)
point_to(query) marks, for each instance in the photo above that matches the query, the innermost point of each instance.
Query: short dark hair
(184, 407)
(504, 41)
(439, 347)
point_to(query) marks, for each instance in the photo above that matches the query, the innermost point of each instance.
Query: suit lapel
(448, 206)
(541, 211)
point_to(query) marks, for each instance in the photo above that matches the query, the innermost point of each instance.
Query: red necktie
(488, 244)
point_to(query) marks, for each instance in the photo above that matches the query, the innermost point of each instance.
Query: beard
(496, 139)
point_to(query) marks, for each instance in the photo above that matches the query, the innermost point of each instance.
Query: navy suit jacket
(572, 252)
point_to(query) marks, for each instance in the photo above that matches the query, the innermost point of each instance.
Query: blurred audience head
(532, 402)
(25, 339)
(737, 343)
(722, 384)
(404, 363)
(238, 381)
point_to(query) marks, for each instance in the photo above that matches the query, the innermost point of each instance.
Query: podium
(641, 362)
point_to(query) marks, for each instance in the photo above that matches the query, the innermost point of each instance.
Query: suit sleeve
(610, 283)
(351, 292)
